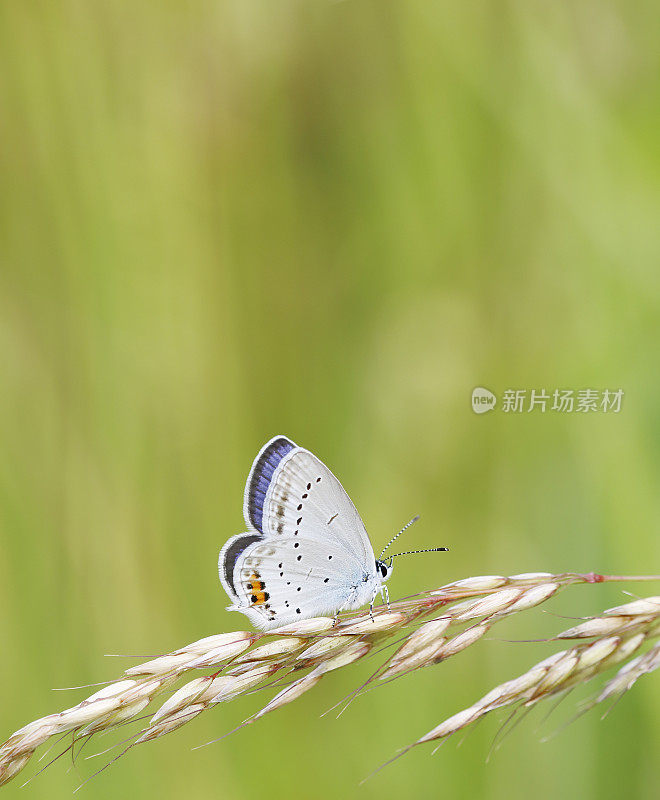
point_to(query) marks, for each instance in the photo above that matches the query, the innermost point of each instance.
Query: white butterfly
(306, 551)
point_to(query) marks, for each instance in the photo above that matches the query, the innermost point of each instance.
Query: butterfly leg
(371, 605)
(348, 602)
(385, 595)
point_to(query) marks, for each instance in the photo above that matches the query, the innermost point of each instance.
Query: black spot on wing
(261, 476)
(232, 554)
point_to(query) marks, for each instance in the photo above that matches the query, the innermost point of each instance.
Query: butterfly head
(383, 570)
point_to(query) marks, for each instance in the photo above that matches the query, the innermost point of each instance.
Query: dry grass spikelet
(428, 628)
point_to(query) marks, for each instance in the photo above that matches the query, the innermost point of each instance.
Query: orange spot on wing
(256, 588)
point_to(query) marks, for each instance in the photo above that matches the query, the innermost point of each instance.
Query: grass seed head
(279, 647)
(220, 655)
(290, 693)
(320, 645)
(305, 627)
(462, 640)
(324, 646)
(376, 624)
(532, 597)
(182, 697)
(350, 654)
(493, 604)
(209, 643)
(477, 584)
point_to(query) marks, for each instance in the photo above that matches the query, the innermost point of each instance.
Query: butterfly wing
(290, 492)
(275, 581)
(229, 555)
(264, 466)
(306, 552)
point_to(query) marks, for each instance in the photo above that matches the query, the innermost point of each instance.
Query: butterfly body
(306, 551)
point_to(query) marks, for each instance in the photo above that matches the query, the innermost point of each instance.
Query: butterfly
(306, 552)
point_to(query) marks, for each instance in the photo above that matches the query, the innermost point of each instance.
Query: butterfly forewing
(305, 499)
(260, 477)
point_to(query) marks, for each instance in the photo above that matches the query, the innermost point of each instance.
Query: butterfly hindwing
(229, 555)
(277, 581)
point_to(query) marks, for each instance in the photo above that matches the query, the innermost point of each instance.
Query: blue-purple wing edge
(261, 474)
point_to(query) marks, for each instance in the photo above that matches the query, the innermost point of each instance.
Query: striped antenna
(394, 538)
(412, 552)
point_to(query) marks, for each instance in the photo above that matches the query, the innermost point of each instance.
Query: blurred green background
(225, 220)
